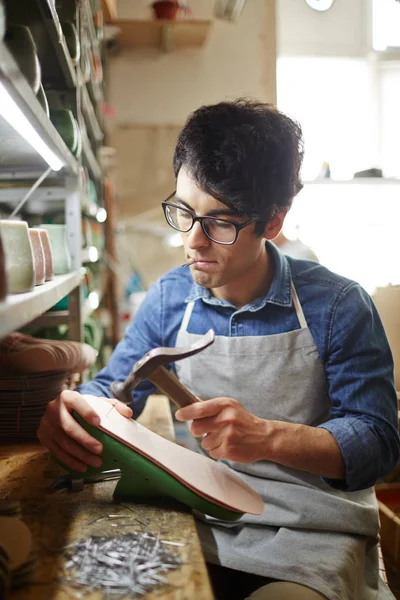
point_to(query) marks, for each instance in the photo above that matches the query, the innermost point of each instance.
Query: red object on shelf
(166, 9)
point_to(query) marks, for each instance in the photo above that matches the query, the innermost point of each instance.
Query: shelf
(44, 199)
(90, 25)
(54, 30)
(165, 35)
(109, 8)
(19, 309)
(20, 156)
(40, 16)
(90, 157)
(52, 318)
(90, 116)
(355, 181)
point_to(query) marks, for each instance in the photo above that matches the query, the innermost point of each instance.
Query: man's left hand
(231, 431)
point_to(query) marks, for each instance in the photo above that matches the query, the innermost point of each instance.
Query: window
(385, 24)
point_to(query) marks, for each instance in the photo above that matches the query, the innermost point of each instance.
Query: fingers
(75, 401)
(201, 426)
(211, 441)
(121, 407)
(69, 460)
(64, 437)
(200, 410)
(226, 416)
(70, 428)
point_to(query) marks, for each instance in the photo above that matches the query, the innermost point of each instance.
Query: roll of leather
(72, 41)
(64, 121)
(21, 44)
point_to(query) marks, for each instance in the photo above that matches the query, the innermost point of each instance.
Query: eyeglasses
(221, 231)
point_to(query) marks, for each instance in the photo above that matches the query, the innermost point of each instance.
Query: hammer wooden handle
(169, 385)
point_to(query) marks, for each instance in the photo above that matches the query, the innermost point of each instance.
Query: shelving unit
(53, 26)
(20, 156)
(19, 309)
(161, 34)
(63, 193)
(90, 115)
(355, 181)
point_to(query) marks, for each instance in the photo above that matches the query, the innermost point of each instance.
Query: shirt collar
(279, 293)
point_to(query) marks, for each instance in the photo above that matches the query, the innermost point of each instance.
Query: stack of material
(32, 373)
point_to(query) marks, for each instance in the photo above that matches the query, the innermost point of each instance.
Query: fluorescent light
(11, 112)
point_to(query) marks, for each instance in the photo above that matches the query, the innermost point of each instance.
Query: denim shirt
(346, 329)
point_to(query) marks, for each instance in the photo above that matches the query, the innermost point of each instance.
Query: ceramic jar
(38, 255)
(58, 242)
(48, 254)
(20, 266)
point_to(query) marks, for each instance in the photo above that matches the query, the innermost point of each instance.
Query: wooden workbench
(59, 518)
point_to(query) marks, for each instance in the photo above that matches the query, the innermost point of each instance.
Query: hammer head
(153, 359)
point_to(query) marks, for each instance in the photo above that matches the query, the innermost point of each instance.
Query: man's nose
(196, 237)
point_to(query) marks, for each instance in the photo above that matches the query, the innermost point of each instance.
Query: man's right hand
(60, 433)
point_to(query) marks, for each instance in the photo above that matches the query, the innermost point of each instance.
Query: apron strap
(186, 316)
(298, 309)
(296, 303)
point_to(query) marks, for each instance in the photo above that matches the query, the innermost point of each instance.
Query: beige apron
(309, 533)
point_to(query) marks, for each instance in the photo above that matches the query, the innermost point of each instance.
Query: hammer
(151, 367)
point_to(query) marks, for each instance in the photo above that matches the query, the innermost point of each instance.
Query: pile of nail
(124, 565)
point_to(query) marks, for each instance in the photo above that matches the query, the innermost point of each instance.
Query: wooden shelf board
(166, 35)
(109, 8)
(51, 318)
(19, 309)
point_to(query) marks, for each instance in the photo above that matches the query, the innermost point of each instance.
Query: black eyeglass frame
(238, 226)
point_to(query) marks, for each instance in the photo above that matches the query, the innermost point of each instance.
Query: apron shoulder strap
(186, 316)
(298, 309)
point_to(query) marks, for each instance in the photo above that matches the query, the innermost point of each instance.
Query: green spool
(64, 121)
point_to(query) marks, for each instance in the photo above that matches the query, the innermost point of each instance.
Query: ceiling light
(320, 5)
(11, 112)
(101, 215)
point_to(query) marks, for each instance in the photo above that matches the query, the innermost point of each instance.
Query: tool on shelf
(152, 367)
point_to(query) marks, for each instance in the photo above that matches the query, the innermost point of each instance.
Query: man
(297, 389)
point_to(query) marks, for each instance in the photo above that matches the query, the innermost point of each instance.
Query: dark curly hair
(246, 154)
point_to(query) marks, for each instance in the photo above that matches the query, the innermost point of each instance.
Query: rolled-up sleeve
(359, 369)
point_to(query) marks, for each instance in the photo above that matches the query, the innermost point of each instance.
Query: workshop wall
(344, 30)
(153, 93)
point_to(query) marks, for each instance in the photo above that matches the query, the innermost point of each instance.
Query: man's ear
(274, 226)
